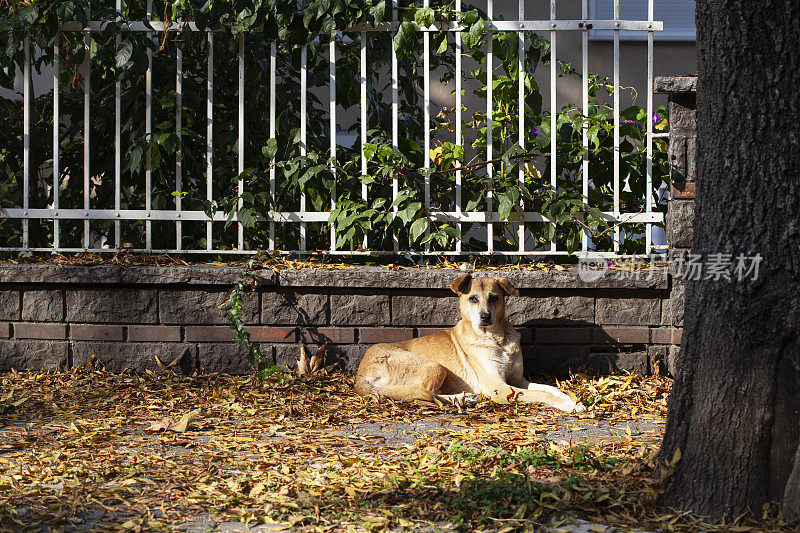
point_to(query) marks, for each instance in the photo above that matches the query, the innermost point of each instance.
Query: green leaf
(248, 217)
(442, 48)
(369, 151)
(505, 206)
(270, 149)
(124, 53)
(410, 211)
(451, 231)
(473, 37)
(473, 203)
(424, 16)
(378, 11)
(136, 159)
(417, 229)
(404, 39)
(28, 15)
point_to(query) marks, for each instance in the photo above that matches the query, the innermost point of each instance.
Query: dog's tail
(398, 393)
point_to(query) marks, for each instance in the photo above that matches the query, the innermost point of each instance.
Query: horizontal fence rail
(102, 226)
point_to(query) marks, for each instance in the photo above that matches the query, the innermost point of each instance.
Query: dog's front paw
(568, 406)
(468, 399)
(463, 399)
(578, 408)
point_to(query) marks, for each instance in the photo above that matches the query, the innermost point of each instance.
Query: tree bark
(734, 411)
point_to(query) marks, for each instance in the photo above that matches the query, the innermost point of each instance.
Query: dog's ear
(507, 287)
(462, 284)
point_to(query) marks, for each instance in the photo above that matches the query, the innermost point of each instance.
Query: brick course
(359, 309)
(208, 334)
(425, 310)
(154, 333)
(620, 335)
(30, 330)
(203, 307)
(95, 332)
(43, 306)
(9, 305)
(376, 335)
(32, 355)
(115, 306)
(138, 357)
(563, 336)
(291, 307)
(332, 335)
(628, 311)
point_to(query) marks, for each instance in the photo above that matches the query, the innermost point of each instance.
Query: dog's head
(483, 300)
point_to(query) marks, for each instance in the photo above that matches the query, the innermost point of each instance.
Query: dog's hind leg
(400, 375)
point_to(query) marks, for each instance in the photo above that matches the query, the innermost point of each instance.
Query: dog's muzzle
(486, 318)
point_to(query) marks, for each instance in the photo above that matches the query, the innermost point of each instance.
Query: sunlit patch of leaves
(86, 448)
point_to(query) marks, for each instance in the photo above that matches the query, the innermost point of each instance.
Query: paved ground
(398, 433)
(574, 430)
(104, 452)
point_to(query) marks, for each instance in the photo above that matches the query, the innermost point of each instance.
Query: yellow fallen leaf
(183, 423)
(257, 489)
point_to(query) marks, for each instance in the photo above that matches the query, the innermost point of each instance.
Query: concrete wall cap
(676, 84)
(359, 277)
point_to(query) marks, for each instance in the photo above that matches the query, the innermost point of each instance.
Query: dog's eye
(492, 298)
(473, 299)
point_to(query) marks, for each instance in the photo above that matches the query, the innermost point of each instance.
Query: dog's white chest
(500, 359)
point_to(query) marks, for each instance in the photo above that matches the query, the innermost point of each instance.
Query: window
(678, 17)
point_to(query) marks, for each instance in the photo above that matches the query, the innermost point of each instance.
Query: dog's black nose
(485, 317)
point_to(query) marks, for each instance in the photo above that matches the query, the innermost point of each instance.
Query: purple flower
(656, 117)
(534, 131)
(630, 122)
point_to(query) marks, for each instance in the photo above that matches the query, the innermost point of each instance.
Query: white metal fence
(488, 217)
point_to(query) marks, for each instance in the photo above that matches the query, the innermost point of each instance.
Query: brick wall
(682, 105)
(56, 317)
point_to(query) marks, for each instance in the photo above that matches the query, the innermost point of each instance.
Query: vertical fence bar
(617, 232)
(26, 138)
(148, 133)
(179, 151)
(426, 124)
(585, 108)
(363, 80)
(118, 143)
(303, 133)
(332, 105)
(240, 167)
(648, 237)
(395, 125)
(521, 95)
(56, 141)
(553, 111)
(210, 135)
(459, 140)
(489, 117)
(87, 90)
(273, 54)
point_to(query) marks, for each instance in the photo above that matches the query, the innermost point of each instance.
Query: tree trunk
(734, 411)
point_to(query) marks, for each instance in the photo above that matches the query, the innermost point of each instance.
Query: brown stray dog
(480, 355)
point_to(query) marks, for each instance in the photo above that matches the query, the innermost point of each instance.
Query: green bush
(259, 23)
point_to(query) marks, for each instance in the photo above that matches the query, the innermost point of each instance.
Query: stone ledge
(437, 278)
(119, 275)
(359, 277)
(676, 84)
